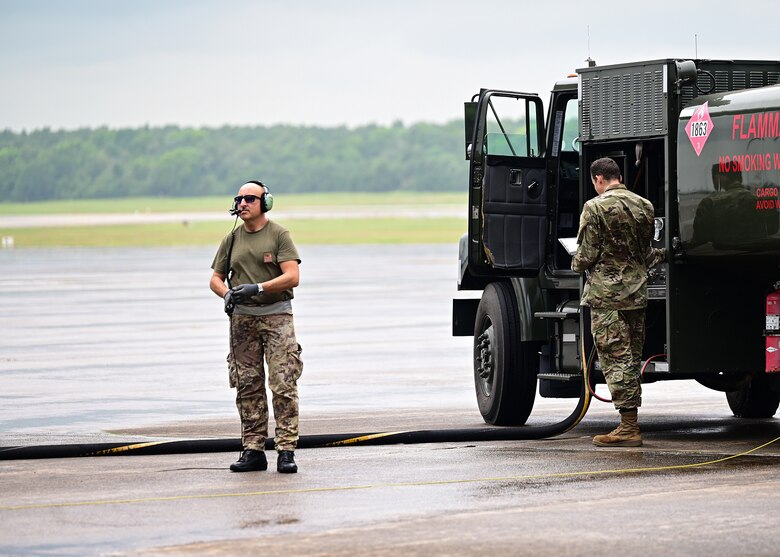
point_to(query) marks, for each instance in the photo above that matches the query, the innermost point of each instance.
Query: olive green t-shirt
(256, 257)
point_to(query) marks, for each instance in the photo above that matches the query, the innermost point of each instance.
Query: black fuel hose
(305, 441)
(520, 433)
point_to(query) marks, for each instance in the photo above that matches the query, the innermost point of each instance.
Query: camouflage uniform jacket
(614, 245)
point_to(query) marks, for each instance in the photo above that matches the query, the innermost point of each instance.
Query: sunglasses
(248, 198)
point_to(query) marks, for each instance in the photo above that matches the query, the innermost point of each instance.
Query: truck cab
(523, 177)
(528, 180)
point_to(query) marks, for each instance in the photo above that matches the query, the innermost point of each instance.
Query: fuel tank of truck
(728, 162)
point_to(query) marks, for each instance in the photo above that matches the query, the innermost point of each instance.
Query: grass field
(304, 231)
(379, 230)
(222, 203)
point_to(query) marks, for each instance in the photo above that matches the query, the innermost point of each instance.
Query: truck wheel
(504, 368)
(754, 400)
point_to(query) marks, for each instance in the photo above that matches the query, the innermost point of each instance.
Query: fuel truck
(700, 139)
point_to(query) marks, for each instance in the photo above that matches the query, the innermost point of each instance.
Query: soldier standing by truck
(262, 260)
(615, 232)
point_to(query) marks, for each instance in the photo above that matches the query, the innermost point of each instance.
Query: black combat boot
(250, 461)
(285, 462)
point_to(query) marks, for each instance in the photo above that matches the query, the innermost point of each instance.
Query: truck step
(555, 314)
(560, 376)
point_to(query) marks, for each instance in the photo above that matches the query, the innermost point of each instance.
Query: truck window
(511, 128)
(571, 128)
(566, 148)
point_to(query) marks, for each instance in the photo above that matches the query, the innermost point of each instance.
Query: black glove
(243, 292)
(229, 304)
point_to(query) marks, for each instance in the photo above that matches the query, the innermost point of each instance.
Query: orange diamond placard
(699, 128)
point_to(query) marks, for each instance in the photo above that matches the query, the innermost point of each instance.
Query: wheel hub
(485, 362)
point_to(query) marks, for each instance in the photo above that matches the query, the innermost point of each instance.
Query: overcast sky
(67, 64)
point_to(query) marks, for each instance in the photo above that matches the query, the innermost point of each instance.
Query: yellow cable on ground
(125, 448)
(386, 485)
(362, 438)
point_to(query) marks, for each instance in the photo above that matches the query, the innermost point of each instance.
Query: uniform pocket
(603, 321)
(295, 361)
(232, 371)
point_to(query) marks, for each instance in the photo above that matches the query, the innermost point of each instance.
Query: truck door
(507, 190)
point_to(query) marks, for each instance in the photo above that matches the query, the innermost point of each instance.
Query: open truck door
(508, 218)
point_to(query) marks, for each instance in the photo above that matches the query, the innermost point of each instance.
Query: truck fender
(530, 299)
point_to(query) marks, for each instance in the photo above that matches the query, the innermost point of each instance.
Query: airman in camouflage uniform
(261, 259)
(614, 236)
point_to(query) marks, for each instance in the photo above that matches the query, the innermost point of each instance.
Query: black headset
(266, 199)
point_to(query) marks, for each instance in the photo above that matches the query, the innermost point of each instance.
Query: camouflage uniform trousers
(619, 336)
(269, 337)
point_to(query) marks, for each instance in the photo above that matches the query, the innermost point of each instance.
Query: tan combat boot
(627, 434)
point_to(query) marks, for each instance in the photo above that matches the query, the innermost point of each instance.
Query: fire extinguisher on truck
(697, 138)
(772, 331)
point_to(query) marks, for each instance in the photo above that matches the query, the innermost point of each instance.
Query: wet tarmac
(680, 494)
(101, 345)
(98, 339)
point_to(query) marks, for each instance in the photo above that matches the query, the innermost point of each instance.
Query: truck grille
(623, 102)
(726, 78)
(630, 101)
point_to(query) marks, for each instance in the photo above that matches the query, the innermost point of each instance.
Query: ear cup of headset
(266, 200)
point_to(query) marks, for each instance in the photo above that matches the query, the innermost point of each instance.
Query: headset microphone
(234, 210)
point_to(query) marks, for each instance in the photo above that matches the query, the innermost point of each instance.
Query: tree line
(174, 161)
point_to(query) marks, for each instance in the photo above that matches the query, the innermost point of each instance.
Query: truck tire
(504, 368)
(754, 400)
